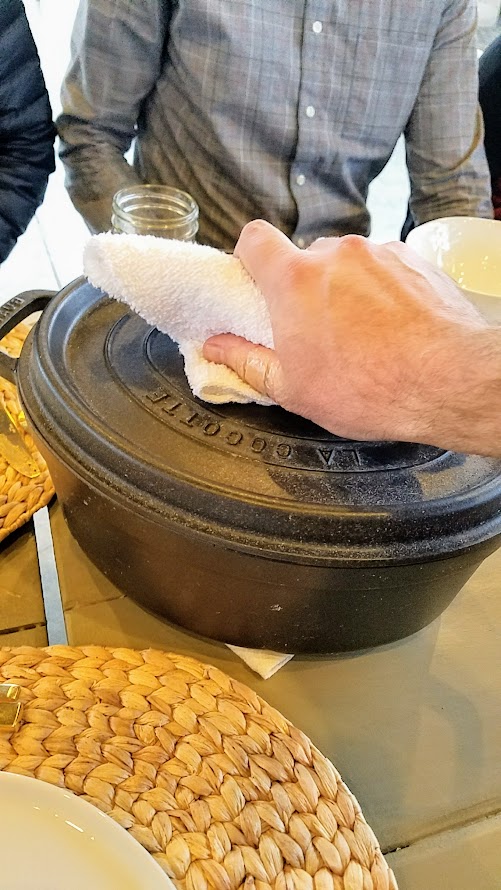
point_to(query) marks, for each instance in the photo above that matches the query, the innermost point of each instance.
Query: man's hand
(371, 342)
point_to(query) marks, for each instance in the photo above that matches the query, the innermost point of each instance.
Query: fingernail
(213, 352)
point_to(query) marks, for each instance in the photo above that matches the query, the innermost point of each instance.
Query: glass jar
(155, 210)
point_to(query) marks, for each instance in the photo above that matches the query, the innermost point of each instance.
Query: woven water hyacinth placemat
(20, 496)
(220, 788)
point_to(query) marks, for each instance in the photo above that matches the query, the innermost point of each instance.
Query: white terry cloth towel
(190, 292)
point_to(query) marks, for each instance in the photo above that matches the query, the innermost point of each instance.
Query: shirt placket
(310, 114)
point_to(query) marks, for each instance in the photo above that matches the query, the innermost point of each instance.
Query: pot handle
(11, 313)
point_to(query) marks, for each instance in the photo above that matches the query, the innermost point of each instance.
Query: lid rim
(246, 539)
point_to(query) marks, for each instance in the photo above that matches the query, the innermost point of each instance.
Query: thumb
(255, 365)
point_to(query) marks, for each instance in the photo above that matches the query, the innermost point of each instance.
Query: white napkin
(190, 292)
(262, 661)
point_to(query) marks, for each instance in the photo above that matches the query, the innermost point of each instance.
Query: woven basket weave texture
(20, 496)
(221, 789)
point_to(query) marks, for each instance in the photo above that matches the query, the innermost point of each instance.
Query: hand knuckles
(269, 378)
(244, 363)
(256, 229)
(299, 273)
(353, 245)
(251, 366)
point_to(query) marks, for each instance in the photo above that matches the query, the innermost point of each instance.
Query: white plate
(50, 839)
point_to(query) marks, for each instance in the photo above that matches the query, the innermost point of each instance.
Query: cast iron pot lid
(109, 396)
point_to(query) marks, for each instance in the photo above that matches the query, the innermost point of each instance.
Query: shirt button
(301, 179)
(310, 111)
(300, 242)
(317, 27)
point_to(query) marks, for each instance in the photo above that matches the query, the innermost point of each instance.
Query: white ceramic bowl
(469, 250)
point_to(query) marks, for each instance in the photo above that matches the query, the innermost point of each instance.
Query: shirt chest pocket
(381, 81)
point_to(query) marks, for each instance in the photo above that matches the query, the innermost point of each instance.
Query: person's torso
(284, 109)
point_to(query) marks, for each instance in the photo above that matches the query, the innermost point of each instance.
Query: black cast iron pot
(241, 523)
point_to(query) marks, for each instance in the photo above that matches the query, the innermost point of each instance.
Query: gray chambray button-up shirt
(280, 109)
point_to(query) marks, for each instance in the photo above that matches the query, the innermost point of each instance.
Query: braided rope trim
(219, 787)
(20, 496)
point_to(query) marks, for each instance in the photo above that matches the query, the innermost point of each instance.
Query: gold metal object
(13, 448)
(10, 707)
(10, 713)
(9, 692)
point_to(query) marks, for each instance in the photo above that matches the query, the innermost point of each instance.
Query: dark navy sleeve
(490, 103)
(26, 129)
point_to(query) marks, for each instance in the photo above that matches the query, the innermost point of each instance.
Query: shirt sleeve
(444, 136)
(116, 59)
(26, 129)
